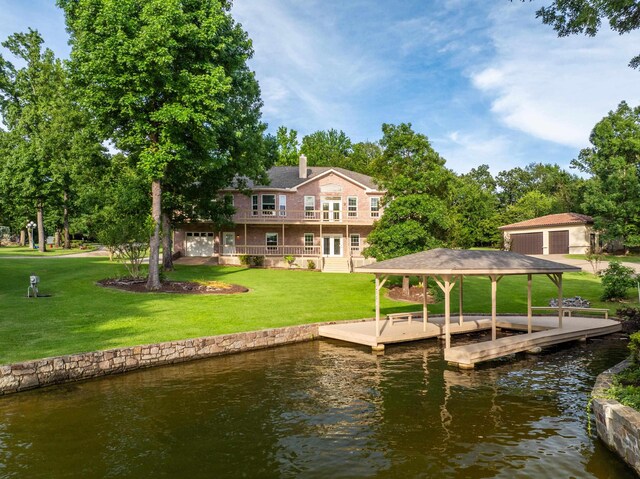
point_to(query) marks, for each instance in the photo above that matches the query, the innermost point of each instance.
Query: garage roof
(551, 220)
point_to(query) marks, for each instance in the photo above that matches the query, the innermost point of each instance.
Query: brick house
(322, 214)
(563, 233)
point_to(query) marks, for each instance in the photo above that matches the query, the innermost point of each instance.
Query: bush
(290, 260)
(248, 260)
(244, 259)
(311, 264)
(634, 347)
(616, 281)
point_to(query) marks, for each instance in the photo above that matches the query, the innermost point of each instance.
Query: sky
(485, 81)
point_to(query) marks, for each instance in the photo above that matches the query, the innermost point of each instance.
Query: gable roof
(551, 220)
(443, 261)
(287, 177)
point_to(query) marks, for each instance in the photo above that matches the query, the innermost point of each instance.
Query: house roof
(287, 177)
(442, 261)
(551, 220)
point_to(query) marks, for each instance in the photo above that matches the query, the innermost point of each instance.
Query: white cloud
(469, 149)
(553, 88)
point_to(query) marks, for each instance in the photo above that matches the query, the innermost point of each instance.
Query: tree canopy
(613, 195)
(169, 82)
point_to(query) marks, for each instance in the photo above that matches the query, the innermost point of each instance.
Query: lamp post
(30, 226)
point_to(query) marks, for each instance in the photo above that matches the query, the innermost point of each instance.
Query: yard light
(31, 226)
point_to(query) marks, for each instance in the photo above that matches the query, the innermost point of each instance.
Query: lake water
(319, 409)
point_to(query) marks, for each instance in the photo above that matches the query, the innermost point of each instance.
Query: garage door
(526, 243)
(200, 243)
(559, 242)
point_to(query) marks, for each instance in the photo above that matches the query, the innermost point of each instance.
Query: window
(269, 205)
(272, 242)
(282, 204)
(308, 242)
(375, 207)
(352, 206)
(309, 206)
(254, 205)
(354, 241)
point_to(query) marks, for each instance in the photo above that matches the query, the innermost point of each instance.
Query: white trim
(331, 170)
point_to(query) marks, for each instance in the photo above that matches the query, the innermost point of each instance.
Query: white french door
(228, 243)
(332, 245)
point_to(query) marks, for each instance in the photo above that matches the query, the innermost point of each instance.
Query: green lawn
(27, 251)
(81, 316)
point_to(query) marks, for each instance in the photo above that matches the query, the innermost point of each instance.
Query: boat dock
(545, 331)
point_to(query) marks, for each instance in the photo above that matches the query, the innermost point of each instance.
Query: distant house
(321, 214)
(564, 233)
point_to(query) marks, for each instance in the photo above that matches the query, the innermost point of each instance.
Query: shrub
(257, 261)
(244, 259)
(311, 264)
(634, 347)
(616, 281)
(290, 260)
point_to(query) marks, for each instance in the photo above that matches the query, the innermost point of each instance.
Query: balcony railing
(307, 216)
(280, 250)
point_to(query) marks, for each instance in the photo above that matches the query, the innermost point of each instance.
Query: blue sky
(484, 80)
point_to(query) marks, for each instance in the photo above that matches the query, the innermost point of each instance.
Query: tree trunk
(56, 238)
(42, 239)
(167, 242)
(405, 286)
(153, 281)
(65, 222)
(23, 239)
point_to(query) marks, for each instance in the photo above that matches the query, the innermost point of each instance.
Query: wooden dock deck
(545, 332)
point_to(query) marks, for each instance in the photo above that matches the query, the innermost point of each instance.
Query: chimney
(302, 167)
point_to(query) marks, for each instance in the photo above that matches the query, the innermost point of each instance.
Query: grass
(26, 251)
(81, 316)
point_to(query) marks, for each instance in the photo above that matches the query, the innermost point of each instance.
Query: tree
(32, 106)
(169, 82)
(416, 215)
(288, 148)
(569, 17)
(531, 205)
(613, 194)
(362, 157)
(474, 210)
(326, 148)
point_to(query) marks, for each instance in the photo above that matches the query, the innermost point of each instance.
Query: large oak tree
(168, 80)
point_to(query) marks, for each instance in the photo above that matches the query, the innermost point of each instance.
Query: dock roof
(443, 261)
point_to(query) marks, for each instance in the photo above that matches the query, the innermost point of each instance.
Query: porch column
(425, 314)
(529, 303)
(245, 238)
(461, 318)
(284, 252)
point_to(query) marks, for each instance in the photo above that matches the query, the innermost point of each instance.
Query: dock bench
(567, 311)
(394, 317)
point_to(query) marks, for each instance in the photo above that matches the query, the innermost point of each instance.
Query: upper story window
(254, 205)
(282, 205)
(375, 207)
(309, 206)
(352, 206)
(268, 204)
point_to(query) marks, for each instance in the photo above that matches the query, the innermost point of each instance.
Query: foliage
(531, 205)
(288, 147)
(326, 148)
(244, 259)
(616, 281)
(290, 260)
(362, 157)
(613, 195)
(416, 215)
(594, 256)
(630, 318)
(569, 17)
(170, 85)
(311, 264)
(251, 261)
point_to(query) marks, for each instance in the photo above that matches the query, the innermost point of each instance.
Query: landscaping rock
(575, 302)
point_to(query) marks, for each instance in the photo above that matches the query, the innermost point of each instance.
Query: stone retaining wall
(617, 425)
(74, 367)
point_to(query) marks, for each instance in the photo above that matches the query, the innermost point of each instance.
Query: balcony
(306, 217)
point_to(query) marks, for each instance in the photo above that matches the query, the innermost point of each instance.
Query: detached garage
(564, 233)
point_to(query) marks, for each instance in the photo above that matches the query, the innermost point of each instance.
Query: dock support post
(377, 306)
(424, 303)
(461, 318)
(529, 313)
(447, 312)
(560, 301)
(494, 291)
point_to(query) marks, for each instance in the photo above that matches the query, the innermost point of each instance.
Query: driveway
(581, 263)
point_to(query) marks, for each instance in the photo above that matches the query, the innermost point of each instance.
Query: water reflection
(319, 409)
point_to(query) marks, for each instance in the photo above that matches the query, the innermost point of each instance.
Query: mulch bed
(179, 287)
(415, 294)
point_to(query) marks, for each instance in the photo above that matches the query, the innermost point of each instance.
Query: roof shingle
(288, 177)
(551, 220)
